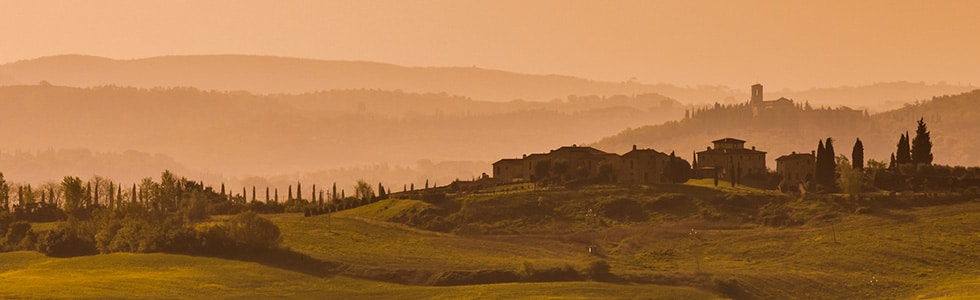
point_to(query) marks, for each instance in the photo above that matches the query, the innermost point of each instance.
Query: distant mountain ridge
(272, 75)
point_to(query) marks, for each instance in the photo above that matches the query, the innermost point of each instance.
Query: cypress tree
(222, 189)
(818, 172)
(857, 155)
(133, 194)
(266, 194)
(313, 194)
(333, 195)
(921, 151)
(277, 195)
(299, 191)
(903, 155)
(830, 165)
(253, 193)
(290, 196)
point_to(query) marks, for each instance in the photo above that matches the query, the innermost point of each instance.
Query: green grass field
(165, 276)
(836, 252)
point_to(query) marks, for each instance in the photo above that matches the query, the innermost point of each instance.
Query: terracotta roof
(728, 140)
(796, 155)
(723, 150)
(644, 151)
(509, 160)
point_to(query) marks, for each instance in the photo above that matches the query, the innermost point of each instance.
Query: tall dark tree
(830, 166)
(818, 172)
(904, 153)
(267, 195)
(290, 196)
(857, 155)
(826, 163)
(680, 169)
(222, 189)
(133, 194)
(277, 195)
(299, 191)
(4, 193)
(253, 193)
(921, 151)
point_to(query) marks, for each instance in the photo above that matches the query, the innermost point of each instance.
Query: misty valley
(398, 182)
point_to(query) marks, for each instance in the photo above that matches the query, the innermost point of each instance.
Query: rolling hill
(273, 75)
(239, 134)
(951, 119)
(167, 276)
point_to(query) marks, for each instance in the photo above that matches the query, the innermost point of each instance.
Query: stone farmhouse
(797, 168)
(639, 166)
(729, 153)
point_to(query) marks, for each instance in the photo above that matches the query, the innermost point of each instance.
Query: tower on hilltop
(757, 93)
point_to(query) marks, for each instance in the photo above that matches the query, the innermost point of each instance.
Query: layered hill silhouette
(241, 134)
(271, 75)
(951, 119)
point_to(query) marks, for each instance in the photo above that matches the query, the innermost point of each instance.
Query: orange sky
(784, 44)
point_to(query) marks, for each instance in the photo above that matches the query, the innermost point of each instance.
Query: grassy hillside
(163, 276)
(749, 243)
(697, 239)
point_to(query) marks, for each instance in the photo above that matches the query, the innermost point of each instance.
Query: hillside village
(726, 158)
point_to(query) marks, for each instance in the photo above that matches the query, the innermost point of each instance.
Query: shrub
(598, 270)
(249, 230)
(62, 242)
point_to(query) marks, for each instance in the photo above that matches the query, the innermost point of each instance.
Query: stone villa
(796, 168)
(639, 166)
(729, 153)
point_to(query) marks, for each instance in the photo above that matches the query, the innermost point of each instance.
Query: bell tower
(756, 93)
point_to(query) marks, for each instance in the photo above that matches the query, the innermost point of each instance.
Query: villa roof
(795, 156)
(728, 140)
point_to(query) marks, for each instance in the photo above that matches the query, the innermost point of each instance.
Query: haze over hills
(278, 119)
(269, 75)
(952, 121)
(369, 133)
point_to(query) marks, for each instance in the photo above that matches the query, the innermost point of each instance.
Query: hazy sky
(783, 44)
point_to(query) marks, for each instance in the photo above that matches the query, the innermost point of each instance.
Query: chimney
(813, 152)
(753, 148)
(634, 147)
(525, 156)
(709, 148)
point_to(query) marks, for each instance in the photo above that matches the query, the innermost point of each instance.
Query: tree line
(164, 215)
(910, 168)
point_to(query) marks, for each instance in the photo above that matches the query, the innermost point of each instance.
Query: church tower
(756, 94)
